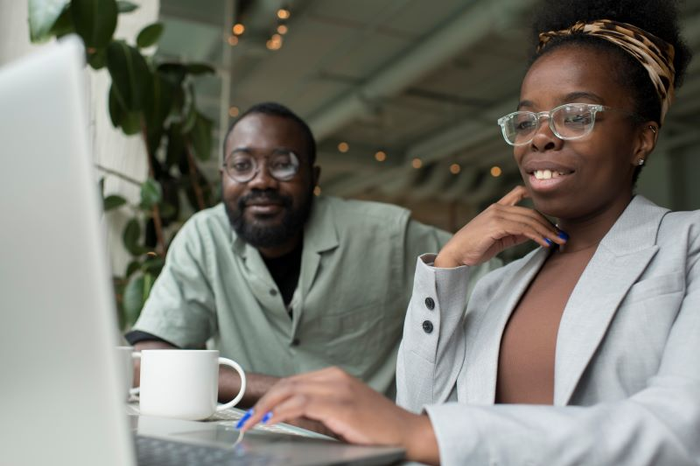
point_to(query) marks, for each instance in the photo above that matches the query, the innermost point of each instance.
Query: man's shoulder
(208, 222)
(354, 210)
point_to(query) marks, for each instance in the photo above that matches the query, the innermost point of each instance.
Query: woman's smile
(546, 176)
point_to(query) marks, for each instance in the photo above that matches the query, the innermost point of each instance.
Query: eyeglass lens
(243, 167)
(570, 121)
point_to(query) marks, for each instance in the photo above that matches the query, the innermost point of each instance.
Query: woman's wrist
(419, 440)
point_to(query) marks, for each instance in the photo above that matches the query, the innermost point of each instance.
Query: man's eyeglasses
(568, 121)
(242, 167)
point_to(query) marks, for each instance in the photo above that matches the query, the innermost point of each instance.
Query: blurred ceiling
(422, 82)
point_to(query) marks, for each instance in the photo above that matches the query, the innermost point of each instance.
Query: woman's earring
(653, 129)
(641, 162)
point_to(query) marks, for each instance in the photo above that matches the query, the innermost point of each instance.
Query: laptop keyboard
(159, 452)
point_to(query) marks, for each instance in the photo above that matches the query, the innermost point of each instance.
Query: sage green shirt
(357, 268)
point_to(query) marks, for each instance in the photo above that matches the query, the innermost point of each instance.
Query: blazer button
(427, 326)
(296, 342)
(273, 292)
(429, 303)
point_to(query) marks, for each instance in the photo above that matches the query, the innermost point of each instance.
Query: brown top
(528, 344)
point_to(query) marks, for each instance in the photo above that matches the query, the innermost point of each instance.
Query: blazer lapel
(483, 339)
(621, 258)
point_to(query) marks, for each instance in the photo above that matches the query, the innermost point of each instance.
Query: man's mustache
(267, 196)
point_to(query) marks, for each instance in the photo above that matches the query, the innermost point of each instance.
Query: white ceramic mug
(183, 384)
(126, 356)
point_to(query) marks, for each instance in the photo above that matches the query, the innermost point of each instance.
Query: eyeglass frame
(258, 164)
(593, 108)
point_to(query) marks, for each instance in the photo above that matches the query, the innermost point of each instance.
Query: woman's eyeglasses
(567, 122)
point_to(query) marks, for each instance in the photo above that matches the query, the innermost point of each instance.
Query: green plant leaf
(175, 146)
(116, 108)
(112, 202)
(153, 265)
(151, 193)
(131, 123)
(98, 59)
(119, 283)
(133, 266)
(154, 136)
(126, 7)
(131, 76)
(95, 21)
(190, 120)
(175, 72)
(148, 280)
(133, 298)
(43, 14)
(159, 102)
(64, 24)
(200, 68)
(131, 236)
(149, 35)
(201, 137)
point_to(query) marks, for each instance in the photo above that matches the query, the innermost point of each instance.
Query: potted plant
(147, 97)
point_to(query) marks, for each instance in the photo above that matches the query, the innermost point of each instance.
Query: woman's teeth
(547, 174)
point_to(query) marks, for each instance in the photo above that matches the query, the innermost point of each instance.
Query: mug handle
(234, 365)
(135, 391)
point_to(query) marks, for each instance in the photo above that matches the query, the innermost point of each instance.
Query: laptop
(60, 387)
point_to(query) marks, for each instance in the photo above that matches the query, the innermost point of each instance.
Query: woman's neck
(588, 231)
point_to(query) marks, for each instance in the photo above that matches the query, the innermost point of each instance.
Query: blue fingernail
(245, 418)
(549, 242)
(266, 417)
(563, 235)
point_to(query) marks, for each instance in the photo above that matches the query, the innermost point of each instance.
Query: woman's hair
(658, 17)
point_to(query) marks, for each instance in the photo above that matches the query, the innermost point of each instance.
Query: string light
(275, 42)
(417, 163)
(496, 171)
(233, 41)
(317, 191)
(283, 13)
(343, 147)
(282, 29)
(380, 156)
(455, 168)
(238, 29)
(233, 111)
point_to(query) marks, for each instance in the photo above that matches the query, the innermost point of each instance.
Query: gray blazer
(627, 364)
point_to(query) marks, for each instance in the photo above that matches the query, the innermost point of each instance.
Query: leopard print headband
(654, 54)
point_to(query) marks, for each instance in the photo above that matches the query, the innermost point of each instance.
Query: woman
(584, 351)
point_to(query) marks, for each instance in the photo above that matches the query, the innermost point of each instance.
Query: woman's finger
(318, 383)
(520, 220)
(514, 197)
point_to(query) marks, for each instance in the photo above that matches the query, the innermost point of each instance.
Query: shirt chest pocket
(359, 337)
(656, 287)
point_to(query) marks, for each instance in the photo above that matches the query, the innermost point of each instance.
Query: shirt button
(296, 342)
(427, 326)
(430, 303)
(273, 292)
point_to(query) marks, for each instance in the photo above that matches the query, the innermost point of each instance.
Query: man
(282, 281)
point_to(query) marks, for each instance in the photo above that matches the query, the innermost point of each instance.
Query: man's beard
(260, 234)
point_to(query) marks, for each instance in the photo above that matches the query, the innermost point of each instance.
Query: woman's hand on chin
(350, 409)
(502, 225)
